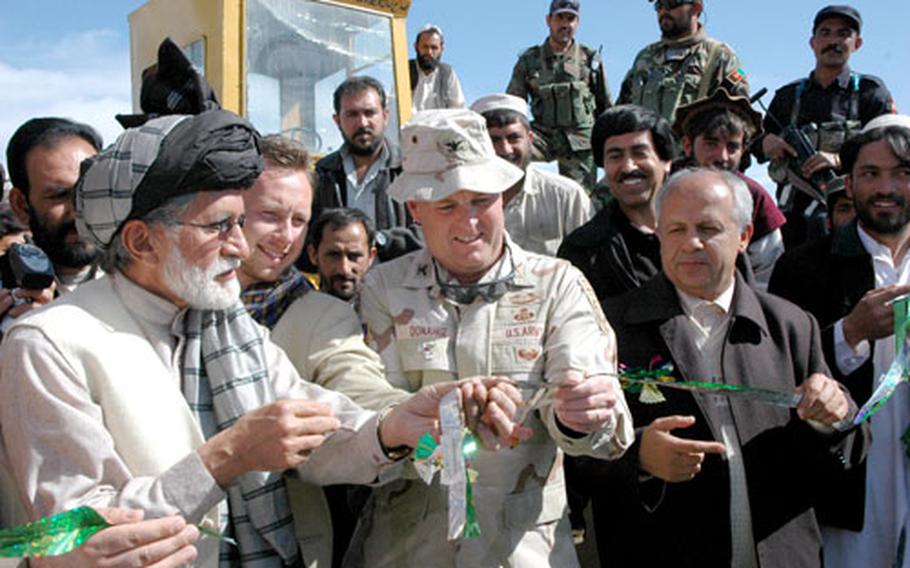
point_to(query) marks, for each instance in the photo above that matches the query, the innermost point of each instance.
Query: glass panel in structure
(298, 52)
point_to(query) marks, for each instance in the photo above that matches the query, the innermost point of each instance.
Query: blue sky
(72, 58)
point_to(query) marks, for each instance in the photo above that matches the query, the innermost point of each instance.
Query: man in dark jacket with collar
(357, 174)
(711, 480)
(848, 280)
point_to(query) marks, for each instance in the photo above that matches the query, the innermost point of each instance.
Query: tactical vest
(561, 95)
(830, 135)
(666, 77)
(440, 90)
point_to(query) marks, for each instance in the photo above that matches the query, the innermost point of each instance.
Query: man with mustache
(567, 85)
(342, 246)
(848, 280)
(685, 65)
(161, 391)
(834, 98)
(542, 207)
(43, 157)
(358, 173)
(617, 250)
(434, 84)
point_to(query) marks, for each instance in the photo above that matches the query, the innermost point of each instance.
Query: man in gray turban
(152, 388)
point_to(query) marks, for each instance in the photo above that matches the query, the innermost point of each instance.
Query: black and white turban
(165, 158)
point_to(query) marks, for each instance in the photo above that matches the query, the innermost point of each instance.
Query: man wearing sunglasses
(685, 65)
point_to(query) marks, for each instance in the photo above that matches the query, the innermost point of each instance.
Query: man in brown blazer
(711, 480)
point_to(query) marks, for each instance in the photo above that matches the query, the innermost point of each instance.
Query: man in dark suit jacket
(837, 280)
(735, 484)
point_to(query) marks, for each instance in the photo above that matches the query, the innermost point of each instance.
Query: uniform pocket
(535, 507)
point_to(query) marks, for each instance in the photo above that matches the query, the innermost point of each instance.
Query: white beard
(197, 286)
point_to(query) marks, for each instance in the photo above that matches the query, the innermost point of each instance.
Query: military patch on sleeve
(597, 311)
(737, 75)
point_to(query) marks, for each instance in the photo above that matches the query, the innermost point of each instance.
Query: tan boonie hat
(719, 100)
(446, 151)
(500, 101)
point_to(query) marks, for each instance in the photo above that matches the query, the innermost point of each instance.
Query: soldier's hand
(275, 437)
(817, 162)
(488, 403)
(500, 420)
(585, 403)
(823, 400)
(873, 317)
(670, 458)
(776, 148)
(131, 542)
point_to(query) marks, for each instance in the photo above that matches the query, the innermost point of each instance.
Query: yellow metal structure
(278, 61)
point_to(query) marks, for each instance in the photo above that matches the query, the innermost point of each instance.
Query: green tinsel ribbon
(898, 371)
(648, 382)
(60, 534)
(426, 450)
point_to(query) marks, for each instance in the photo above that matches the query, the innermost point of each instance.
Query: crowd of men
(205, 332)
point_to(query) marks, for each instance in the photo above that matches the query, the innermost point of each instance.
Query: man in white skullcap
(542, 207)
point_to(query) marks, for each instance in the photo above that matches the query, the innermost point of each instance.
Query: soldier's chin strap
(490, 291)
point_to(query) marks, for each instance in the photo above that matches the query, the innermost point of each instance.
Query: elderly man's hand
(275, 437)
(489, 405)
(132, 542)
(823, 400)
(669, 457)
(585, 403)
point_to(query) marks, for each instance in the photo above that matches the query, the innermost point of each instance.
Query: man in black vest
(838, 101)
(434, 84)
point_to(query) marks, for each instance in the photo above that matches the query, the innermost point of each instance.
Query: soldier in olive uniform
(475, 303)
(684, 66)
(837, 102)
(567, 85)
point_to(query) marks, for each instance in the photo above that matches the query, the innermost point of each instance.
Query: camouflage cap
(446, 151)
(560, 6)
(719, 100)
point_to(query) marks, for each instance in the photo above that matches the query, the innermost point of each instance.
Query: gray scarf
(225, 376)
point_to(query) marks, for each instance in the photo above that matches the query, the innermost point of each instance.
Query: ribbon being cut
(457, 444)
(897, 373)
(60, 534)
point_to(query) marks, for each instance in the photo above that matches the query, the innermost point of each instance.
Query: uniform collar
(842, 80)
(548, 51)
(421, 273)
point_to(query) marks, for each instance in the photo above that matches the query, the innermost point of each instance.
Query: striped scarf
(267, 301)
(225, 376)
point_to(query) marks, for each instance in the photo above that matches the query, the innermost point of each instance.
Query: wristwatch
(398, 452)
